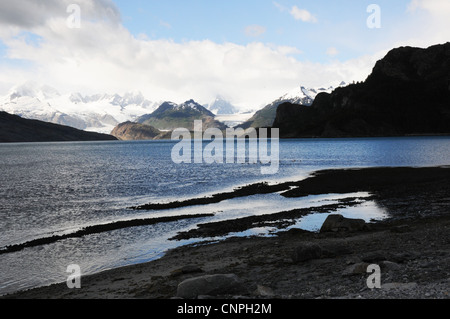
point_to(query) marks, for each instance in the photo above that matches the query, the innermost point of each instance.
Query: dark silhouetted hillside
(13, 128)
(408, 93)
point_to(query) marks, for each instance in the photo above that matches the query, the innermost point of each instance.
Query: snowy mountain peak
(221, 106)
(128, 98)
(304, 95)
(99, 112)
(76, 98)
(33, 90)
(188, 107)
(191, 104)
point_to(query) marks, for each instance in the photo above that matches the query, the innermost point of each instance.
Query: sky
(248, 51)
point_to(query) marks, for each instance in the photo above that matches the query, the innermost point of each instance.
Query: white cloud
(116, 61)
(286, 50)
(436, 7)
(332, 51)
(165, 24)
(280, 7)
(102, 56)
(254, 31)
(31, 13)
(302, 14)
(431, 23)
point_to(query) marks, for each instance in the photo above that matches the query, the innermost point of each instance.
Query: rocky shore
(411, 249)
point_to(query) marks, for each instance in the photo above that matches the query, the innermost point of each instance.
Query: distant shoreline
(369, 136)
(281, 139)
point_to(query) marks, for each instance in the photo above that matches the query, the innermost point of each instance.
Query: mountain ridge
(102, 112)
(166, 118)
(300, 95)
(169, 116)
(98, 112)
(220, 106)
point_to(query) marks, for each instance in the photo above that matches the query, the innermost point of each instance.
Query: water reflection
(60, 187)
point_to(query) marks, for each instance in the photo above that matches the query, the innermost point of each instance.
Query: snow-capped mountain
(102, 112)
(170, 116)
(192, 105)
(305, 96)
(186, 108)
(98, 113)
(220, 106)
(300, 95)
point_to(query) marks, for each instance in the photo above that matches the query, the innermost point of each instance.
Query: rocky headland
(407, 93)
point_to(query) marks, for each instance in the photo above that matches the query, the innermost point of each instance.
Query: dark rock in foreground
(209, 285)
(335, 223)
(306, 251)
(97, 229)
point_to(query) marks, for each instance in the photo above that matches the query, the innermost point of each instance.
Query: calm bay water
(55, 188)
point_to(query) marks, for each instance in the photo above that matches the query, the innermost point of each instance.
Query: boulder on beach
(187, 269)
(356, 269)
(210, 285)
(335, 223)
(306, 251)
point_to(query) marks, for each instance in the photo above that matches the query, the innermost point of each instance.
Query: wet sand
(412, 247)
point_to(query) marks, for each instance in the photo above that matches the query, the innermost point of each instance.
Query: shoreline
(412, 248)
(281, 138)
